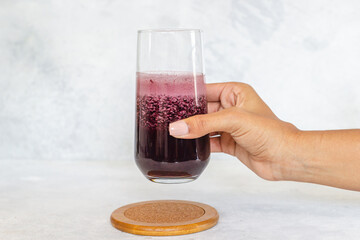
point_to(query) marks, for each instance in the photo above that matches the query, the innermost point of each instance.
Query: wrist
(301, 151)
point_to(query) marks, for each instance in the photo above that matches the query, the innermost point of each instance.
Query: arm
(329, 157)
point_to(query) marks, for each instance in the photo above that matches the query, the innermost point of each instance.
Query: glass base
(170, 180)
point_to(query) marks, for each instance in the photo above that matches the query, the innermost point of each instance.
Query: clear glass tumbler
(170, 86)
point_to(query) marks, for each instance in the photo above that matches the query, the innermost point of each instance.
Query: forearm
(328, 157)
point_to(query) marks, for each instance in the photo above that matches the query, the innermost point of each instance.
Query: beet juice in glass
(170, 86)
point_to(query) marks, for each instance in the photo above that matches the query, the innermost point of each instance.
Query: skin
(245, 127)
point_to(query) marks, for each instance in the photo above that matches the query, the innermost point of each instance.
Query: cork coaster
(164, 217)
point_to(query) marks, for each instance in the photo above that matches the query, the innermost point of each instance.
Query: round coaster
(164, 217)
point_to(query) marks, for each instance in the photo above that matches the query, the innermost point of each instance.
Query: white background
(67, 68)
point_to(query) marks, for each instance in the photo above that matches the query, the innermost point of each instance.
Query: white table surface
(74, 200)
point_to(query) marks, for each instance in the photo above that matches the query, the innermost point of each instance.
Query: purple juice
(163, 98)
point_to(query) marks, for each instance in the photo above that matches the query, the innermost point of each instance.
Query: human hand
(247, 129)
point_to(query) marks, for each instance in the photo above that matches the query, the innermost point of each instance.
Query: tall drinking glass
(170, 85)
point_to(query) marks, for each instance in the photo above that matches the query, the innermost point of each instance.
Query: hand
(273, 149)
(248, 129)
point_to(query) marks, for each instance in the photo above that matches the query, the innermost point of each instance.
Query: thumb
(228, 120)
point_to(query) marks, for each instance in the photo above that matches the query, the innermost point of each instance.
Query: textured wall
(67, 67)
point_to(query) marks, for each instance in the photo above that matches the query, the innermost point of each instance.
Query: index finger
(213, 91)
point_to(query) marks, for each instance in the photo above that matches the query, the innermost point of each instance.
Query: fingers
(215, 145)
(224, 143)
(214, 90)
(213, 107)
(242, 95)
(215, 134)
(227, 120)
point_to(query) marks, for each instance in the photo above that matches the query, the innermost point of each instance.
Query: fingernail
(178, 128)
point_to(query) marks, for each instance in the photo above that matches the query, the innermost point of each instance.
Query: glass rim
(169, 30)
